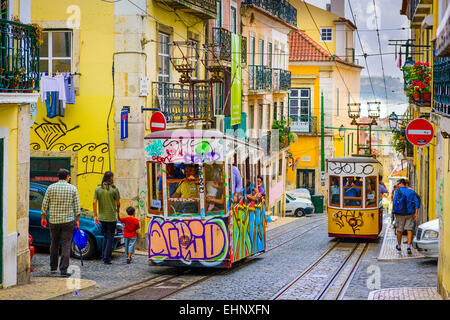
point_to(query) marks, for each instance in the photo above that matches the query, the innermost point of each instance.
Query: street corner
(47, 288)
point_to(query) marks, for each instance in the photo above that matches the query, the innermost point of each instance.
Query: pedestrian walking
(62, 203)
(107, 197)
(131, 226)
(406, 209)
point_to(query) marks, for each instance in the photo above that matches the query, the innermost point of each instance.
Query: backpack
(400, 204)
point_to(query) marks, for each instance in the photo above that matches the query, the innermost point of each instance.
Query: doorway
(306, 178)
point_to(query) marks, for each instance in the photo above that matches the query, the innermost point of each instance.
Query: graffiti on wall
(184, 150)
(248, 231)
(350, 168)
(203, 241)
(50, 133)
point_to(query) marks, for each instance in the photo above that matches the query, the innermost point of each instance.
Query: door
(45, 169)
(1, 210)
(306, 179)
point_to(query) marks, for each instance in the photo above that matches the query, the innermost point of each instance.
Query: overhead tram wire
(328, 49)
(362, 49)
(379, 48)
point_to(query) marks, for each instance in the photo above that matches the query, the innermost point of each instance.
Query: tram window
(352, 192)
(335, 194)
(215, 187)
(371, 191)
(186, 199)
(154, 201)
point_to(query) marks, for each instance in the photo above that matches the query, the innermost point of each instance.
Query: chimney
(338, 7)
(328, 7)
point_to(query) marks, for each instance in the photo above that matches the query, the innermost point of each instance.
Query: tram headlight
(430, 234)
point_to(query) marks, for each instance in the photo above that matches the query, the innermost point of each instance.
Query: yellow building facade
(119, 55)
(318, 70)
(18, 91)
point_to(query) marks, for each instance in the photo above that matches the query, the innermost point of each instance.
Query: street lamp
(354, 111)
(393, 121)
(341, 131)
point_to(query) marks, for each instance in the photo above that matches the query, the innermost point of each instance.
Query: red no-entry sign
(420, 132)
(157, 122)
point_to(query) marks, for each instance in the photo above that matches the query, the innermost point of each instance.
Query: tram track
(319, 281)
(164, 286)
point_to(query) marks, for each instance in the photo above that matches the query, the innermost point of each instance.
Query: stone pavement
(45, 288)
(54, 288)
(405, 294)
(388, 252)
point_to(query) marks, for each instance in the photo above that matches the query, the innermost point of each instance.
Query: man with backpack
(406, 210)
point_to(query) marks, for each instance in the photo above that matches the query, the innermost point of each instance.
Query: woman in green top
(107, 197)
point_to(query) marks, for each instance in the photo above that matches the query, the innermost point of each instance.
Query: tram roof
(355, 160)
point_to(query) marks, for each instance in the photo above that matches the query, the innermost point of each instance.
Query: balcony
(419, 9)
(19, 59)
(260, 78)
(442, 38)
(281, 79)
(441, 86)
(222, 44)
(303, 124)
(204, 9)
(173, 100)
(280, 9)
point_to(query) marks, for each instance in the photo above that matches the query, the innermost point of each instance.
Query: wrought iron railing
(174, 101)
(285, 80)
(244, 50)
(202, 8)
(19, 57)
(441, 86)
(222, 43)
(303, 124)
(260, 78)
(281, 9)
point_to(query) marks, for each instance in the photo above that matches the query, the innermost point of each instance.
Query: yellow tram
(354, 199)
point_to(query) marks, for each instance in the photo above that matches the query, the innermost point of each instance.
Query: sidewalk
(388, 252)
(405, 294)
(45, 288)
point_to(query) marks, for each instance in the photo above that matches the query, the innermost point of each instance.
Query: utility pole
(322, 135)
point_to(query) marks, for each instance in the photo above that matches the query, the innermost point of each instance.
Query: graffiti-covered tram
(205, 207)
(354, 200)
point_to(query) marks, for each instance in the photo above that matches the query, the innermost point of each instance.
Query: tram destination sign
(419, 132)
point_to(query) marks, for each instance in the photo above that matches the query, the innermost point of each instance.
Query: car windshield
(289, 197)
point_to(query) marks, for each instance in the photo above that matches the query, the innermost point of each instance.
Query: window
(371, 192)
(335, 191)
(269, 54)
(163, 57)
(275, 111)
(280, 166)
(218, 21)
(337, 102)
(261, 52)
(233, 18)
(268, 117)
(56, 51)
(36, 199)
(299, 109)
(282, 110)
(326, 34)
(353, 192)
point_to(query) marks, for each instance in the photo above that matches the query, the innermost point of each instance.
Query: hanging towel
(53, 84)
(69, 88)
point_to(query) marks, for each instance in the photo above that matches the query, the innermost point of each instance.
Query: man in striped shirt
(62, 203)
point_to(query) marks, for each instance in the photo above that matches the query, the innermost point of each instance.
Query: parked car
(298, 206)
(300, 193)
(41, 235)
(426, 240)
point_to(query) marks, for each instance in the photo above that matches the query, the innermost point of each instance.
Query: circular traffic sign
(420, 132)
(157, 122)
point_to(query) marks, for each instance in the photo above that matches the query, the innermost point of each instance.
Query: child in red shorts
(131, 225)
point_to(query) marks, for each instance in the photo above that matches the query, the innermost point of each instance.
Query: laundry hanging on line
(56, 91)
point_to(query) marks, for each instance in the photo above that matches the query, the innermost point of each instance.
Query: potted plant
(418, 79)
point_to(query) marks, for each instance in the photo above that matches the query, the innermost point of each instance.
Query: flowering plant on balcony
(418, 79)
(285, 135)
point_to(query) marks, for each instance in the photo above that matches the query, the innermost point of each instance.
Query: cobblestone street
(293, 246)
